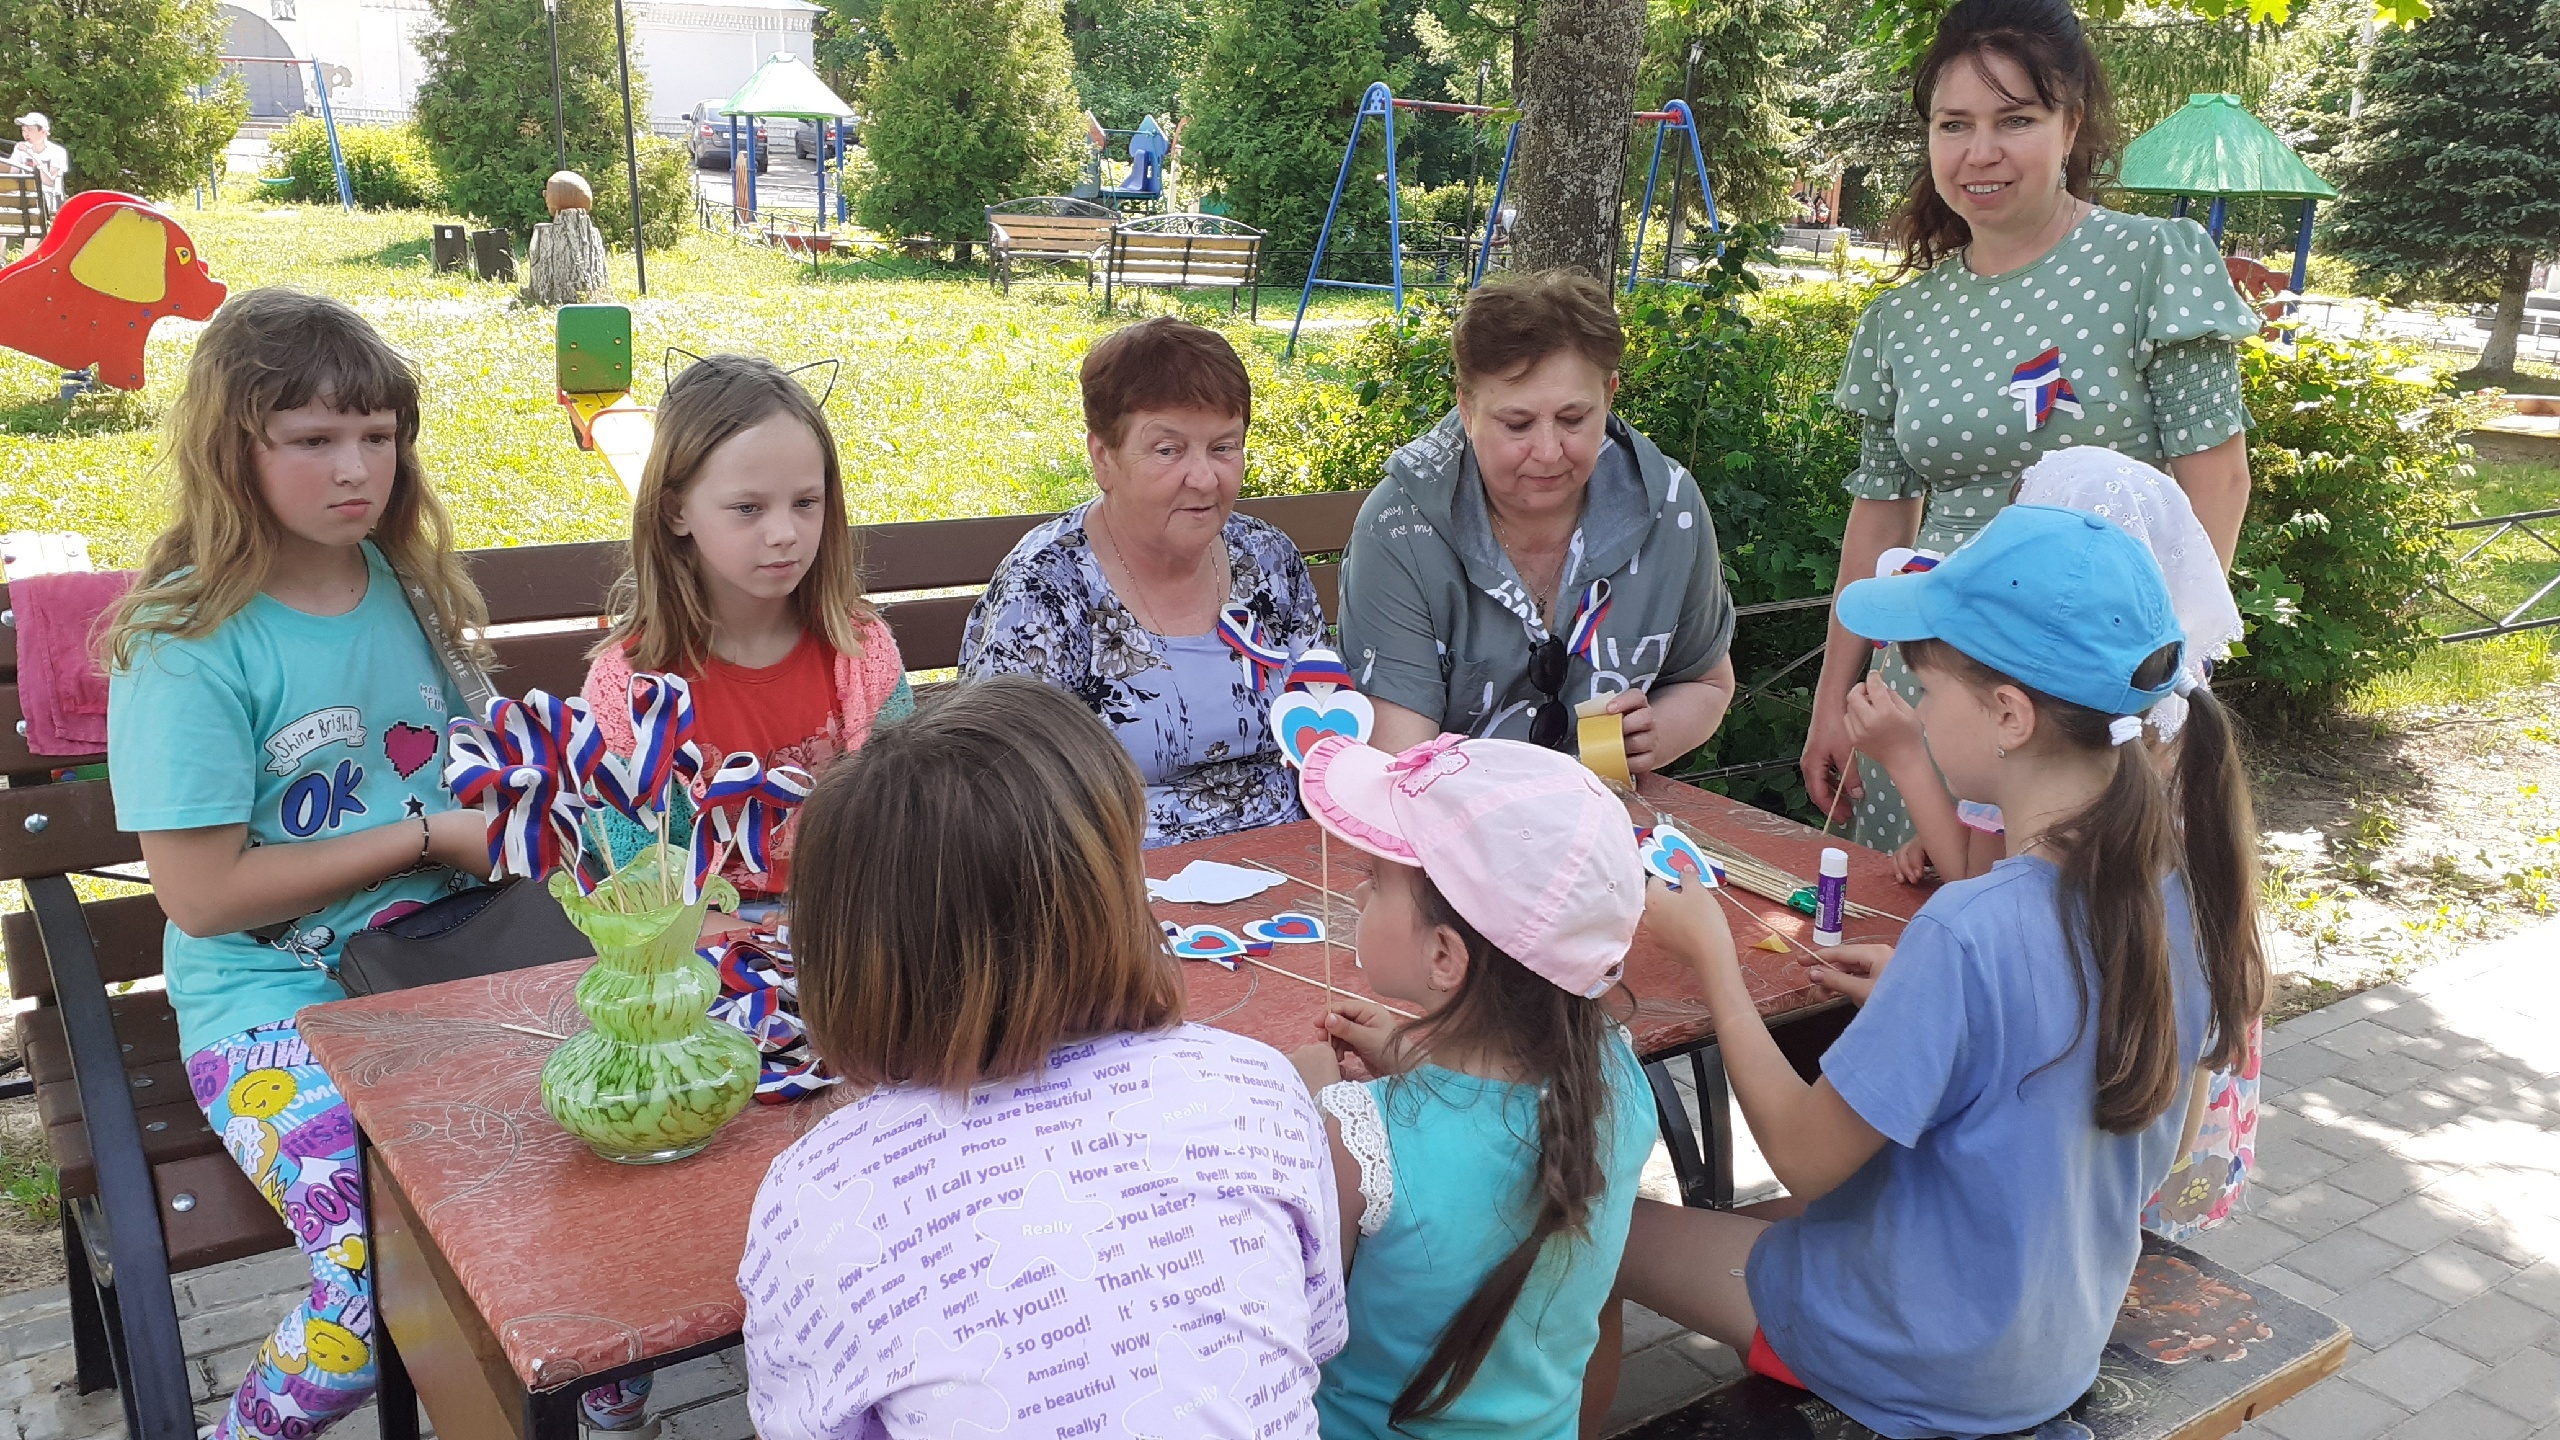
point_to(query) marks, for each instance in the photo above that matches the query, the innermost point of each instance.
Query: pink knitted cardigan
(864, 682)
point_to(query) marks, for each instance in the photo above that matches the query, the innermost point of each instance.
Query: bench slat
(146, 1031)
(1188, 244)
(150, 1085)
(556, 661)
(225, 1219)
(545, 582)
(79, 831)
(127, 932)
(181, 1131)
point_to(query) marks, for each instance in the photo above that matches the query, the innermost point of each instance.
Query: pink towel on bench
(62, 690)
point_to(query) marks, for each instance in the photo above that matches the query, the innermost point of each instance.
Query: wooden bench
(147, 1188)
(1056, 228)
(2197, 1352)
(24, 215)
(1186, 252)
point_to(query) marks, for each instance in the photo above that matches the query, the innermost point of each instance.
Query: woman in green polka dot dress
(2038, 321)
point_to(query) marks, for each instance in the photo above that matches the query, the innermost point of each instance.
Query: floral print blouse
(1185, 706)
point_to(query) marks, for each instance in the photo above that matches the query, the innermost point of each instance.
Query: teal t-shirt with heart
(301, 727)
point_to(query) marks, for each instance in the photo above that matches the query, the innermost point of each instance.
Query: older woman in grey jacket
(1532, 551)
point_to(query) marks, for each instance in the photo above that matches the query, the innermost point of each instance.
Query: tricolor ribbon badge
(1584, 639)
(2041, 388)
(743, 804)
(1252, 644)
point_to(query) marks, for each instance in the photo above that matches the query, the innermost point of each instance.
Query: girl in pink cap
(1486, 1181)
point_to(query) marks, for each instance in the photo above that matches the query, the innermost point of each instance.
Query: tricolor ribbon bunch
(743, 805)
(760, 995)
(526, 763)
(537, 767)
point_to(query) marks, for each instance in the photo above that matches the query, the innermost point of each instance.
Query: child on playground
(1485, 1181)
(2041, 1020)
(1961, 839)
(1053, 1200)
(743, 581)
(279, 680)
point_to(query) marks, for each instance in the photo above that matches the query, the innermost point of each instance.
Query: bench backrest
(533, 585)
(1142, 257)
(1065, 234)
(23, 213)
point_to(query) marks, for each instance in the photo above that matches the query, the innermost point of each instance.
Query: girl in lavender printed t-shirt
(1060, 1211)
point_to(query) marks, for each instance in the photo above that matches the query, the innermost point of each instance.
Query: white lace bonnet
(2150, 507)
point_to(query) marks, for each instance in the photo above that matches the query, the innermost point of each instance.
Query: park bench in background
(1186, 252)
(1056, 228)
(24, 216)
(147, 1187)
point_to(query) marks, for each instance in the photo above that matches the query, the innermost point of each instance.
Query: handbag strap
(469, 681)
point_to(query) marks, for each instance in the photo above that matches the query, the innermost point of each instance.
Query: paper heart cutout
(1300, 718)
(1208, 942)
(1289, 927)
(1675, 858)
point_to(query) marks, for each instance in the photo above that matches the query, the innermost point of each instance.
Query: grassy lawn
(952, 400)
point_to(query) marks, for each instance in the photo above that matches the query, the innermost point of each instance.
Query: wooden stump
(566, 266)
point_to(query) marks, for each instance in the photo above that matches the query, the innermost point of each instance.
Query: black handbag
(486, 930)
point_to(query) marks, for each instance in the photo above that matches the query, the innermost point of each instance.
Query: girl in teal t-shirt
(1486, 1180)
(275, 725)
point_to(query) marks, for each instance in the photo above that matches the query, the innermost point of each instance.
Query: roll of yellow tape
(1602, 738)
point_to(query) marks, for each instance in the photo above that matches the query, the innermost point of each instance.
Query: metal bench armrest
(148, 1310)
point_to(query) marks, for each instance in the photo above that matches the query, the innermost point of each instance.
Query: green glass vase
(654, 1077)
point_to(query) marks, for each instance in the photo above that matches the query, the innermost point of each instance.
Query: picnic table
(514, 1269)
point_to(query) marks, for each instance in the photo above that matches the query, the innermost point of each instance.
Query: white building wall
(689, 50)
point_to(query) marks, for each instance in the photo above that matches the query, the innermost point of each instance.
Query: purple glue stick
(1830, 897)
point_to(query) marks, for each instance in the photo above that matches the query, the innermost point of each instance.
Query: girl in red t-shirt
(742, 580)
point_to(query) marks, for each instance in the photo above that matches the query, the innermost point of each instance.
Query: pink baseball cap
(1524, 842)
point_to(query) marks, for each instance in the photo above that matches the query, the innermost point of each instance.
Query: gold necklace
(1133, 602)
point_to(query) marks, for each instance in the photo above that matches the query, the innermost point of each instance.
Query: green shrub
(2355, 463)
(135, 88)
(484, 105)
(666, 196)
(388, 166)
(973, 103)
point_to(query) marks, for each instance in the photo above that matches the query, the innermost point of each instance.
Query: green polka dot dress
(1943, 370)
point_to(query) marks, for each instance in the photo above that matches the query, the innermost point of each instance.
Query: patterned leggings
(281, 1117)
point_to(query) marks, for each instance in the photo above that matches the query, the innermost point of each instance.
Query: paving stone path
(2409, 1184)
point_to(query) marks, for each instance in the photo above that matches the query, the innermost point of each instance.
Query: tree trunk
(566, 263)
(2498, 357)
(1578, 103)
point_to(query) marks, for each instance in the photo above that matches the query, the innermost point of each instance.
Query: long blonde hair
(664, 615)
(269, 351)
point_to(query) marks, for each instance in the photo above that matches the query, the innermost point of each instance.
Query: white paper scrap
(1209, 882)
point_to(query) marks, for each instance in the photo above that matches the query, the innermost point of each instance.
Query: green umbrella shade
(2215, 147)
(785, 87)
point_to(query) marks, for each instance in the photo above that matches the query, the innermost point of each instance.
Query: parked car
(706, 137)
(808, 135)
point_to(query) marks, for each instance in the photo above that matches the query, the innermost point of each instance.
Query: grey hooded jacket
(1435, 619)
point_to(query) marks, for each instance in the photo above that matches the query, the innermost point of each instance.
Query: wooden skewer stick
(1324, 859)
(1294, 880)
(1303, 980)
(529, 1030)
(1765, 925)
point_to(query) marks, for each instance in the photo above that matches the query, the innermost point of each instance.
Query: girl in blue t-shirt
(1967, 1178)
(279, 679)
(1485, 1182)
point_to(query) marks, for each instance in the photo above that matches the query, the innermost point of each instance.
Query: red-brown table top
(579, 1265)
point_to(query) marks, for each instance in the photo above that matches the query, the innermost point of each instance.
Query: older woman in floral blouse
(1150, 601)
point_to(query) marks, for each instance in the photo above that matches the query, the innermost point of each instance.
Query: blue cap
(2060, 600)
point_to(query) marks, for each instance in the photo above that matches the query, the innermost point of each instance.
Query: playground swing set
(1380, 103)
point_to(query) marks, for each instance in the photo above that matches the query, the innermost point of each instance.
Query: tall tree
(1132, 57)
(1270, 110)
(120, 81)
(1738, 98)
(973, 104)
(2451, 170)
(844, 39)
(1576, 104)
(485, 104)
